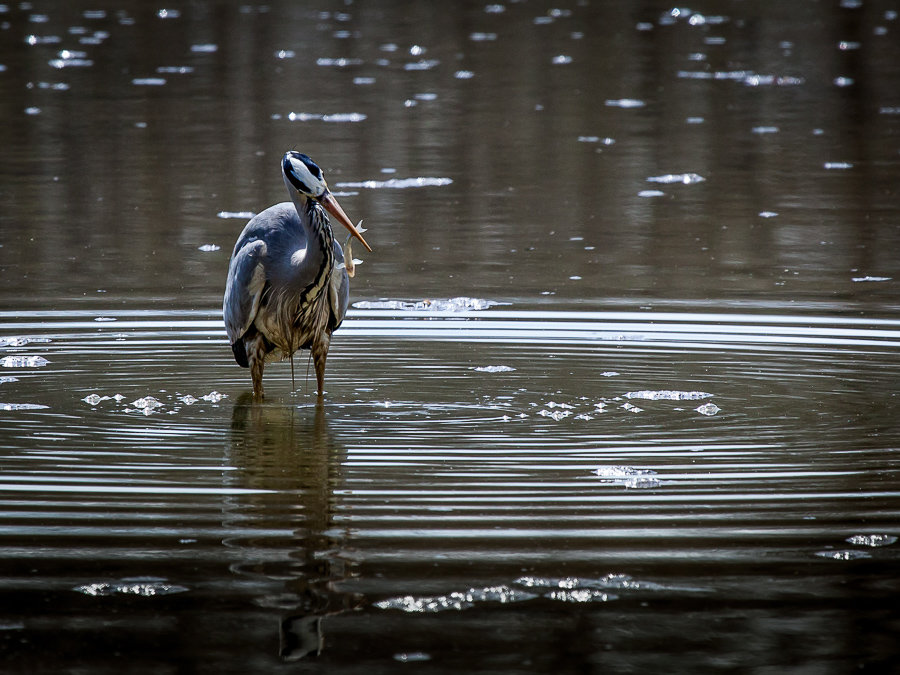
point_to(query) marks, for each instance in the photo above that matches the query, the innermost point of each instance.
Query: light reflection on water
(481, 489)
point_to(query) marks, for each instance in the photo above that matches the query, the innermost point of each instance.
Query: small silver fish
(350, 262)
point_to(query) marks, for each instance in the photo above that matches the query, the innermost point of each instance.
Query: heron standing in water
(288, 286)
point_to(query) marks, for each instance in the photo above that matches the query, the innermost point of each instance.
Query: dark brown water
(618, 392)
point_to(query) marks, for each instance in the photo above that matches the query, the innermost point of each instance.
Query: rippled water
(429, 500)
(618, 392)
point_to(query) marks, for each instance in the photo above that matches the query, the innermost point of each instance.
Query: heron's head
(304, 177)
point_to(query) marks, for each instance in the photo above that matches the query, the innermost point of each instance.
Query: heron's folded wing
(339, 288)
(246, 280)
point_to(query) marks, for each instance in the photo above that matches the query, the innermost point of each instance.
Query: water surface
(618, 392)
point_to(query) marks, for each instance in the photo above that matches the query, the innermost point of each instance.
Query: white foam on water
(494, 369)
(22, 406)
(18, 361)
(141, 586)
(667, 395)
(459, 304)
(872, 540)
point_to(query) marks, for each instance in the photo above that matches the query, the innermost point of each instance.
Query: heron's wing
(243, 290)
(339, 288)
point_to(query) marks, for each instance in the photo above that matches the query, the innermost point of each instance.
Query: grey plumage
(287, 288)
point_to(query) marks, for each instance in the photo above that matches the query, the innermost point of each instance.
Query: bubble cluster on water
(456, 600)
(556, 415)
(628, 477)
(526, 588)
(844, 555)
(872, 540)
(150, 405)
(139, 586)
(96, 399)
(581, 595)
(459, 304)
(22, 361)
(147, 403)
(586, 408)
(667, 395)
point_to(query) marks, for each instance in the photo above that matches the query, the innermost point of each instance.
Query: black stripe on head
(287, 165)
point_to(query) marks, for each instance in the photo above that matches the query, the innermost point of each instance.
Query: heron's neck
(314, 221)
(313, 218)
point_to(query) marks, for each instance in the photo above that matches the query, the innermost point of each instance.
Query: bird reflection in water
(289, 451)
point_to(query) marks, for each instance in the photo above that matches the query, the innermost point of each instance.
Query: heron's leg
(256, 373)
(320, 354)
(256, 355)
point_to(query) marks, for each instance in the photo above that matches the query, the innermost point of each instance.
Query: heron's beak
(330, 203)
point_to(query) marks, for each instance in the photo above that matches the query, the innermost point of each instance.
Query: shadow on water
(291, 462)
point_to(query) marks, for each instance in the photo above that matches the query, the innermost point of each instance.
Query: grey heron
(288, 287)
